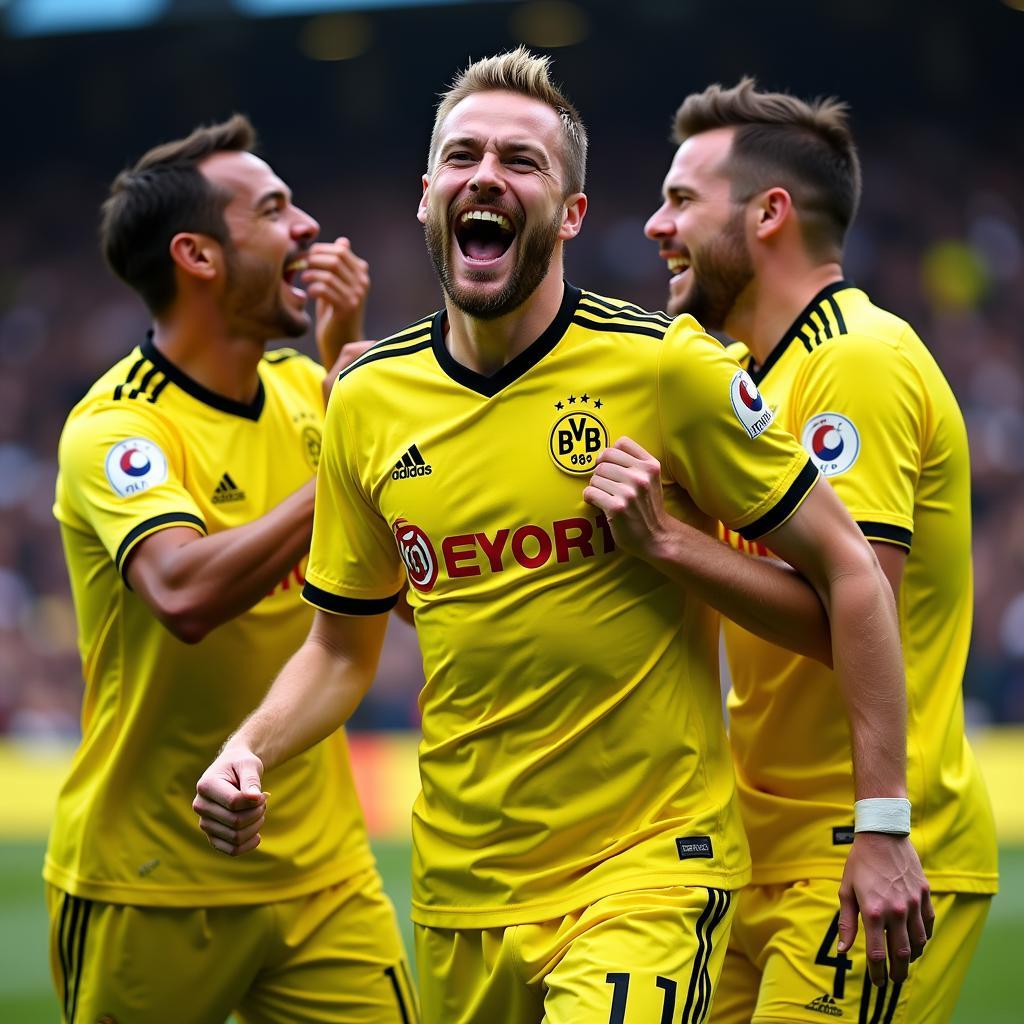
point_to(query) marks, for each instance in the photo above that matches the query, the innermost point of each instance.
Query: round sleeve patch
(832, 441)
(134, 466)
(749, 405)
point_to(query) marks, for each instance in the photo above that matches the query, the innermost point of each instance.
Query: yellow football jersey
(146, 449)
(573, 743)
(869, 403)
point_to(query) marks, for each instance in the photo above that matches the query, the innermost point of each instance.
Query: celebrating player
(757, 203)
(185, 499)
(577, 841)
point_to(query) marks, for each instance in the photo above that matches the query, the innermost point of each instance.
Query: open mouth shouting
(484, 235)
(293, 266)
(677, 265)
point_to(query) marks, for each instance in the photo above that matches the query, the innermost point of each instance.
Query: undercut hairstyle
(782, 141)
(163, 194)
(522, 72)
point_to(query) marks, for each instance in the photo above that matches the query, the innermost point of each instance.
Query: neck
(485, 346)
(202, 346)
(772, 301)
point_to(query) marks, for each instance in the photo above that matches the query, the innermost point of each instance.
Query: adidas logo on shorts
(825, 1004)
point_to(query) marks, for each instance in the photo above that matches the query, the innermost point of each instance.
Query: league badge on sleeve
(832, 442)
(749, 405)
(135, 466)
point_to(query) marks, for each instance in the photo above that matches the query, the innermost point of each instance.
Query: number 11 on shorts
(620, 993)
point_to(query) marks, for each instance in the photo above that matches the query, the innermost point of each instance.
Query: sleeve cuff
(328, 602)
(153, 525)
(886, 533)
(785, 506)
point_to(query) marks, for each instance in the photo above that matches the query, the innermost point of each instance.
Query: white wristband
(882, 814)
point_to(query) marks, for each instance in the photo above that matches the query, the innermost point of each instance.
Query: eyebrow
(516, 145)
(275, 194)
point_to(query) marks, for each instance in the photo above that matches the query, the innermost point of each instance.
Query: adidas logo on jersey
(227, 490)
(825, 1004)
(411, 464)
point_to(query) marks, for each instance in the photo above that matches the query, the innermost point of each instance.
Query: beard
(718, 274)
(536, 245)
(254, 301)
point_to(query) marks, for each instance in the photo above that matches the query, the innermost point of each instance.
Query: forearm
(210, 580)
(869, 669)
(765, 597)
(329, 346)
(314, 694)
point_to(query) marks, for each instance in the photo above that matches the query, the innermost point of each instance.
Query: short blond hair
(522, 72)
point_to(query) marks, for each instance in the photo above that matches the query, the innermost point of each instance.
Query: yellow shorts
(782, 964)
(633, 958)
(332, 957)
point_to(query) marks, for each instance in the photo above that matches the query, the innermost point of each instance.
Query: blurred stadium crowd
(939, 240)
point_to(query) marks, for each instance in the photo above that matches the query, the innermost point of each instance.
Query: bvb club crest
(578, 435)
(311, 438)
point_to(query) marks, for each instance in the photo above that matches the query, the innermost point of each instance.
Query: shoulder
(606, 315)
(737, 350)
(286, 360)
(288, 367)
(389, 351)
(860, 330)
(121, 406)
(129, 390)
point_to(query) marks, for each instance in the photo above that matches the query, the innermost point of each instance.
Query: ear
(575, 211)
(197, 255)
(421, 213)
(772, 209)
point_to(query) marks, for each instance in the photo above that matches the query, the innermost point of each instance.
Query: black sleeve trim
(886, 532)
(785, 506)
(151, 526)
(329, 602)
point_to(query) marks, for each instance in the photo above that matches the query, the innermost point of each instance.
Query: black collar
(512, 371)
(247, 410)
(758, 373)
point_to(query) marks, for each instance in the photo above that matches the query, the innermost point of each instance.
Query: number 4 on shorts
(841, 962)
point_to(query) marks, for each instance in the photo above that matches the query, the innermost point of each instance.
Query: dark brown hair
(161, 195)
(804, 147)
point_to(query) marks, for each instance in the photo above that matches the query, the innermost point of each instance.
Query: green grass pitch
(994, 992)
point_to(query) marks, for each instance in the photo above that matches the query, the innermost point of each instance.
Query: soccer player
(576, 841)
(185, 500)
(757, 202)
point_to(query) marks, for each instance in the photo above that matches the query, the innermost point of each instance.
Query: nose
(659, 225)
(305, 228)
(488, 178)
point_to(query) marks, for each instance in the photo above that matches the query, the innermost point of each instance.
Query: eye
(523, 161)
(459, 157)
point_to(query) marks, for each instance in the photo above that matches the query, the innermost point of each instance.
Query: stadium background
(342, 95)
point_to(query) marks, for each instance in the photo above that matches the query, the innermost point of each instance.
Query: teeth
(498, 218)
(296, 264)
(676, 264)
